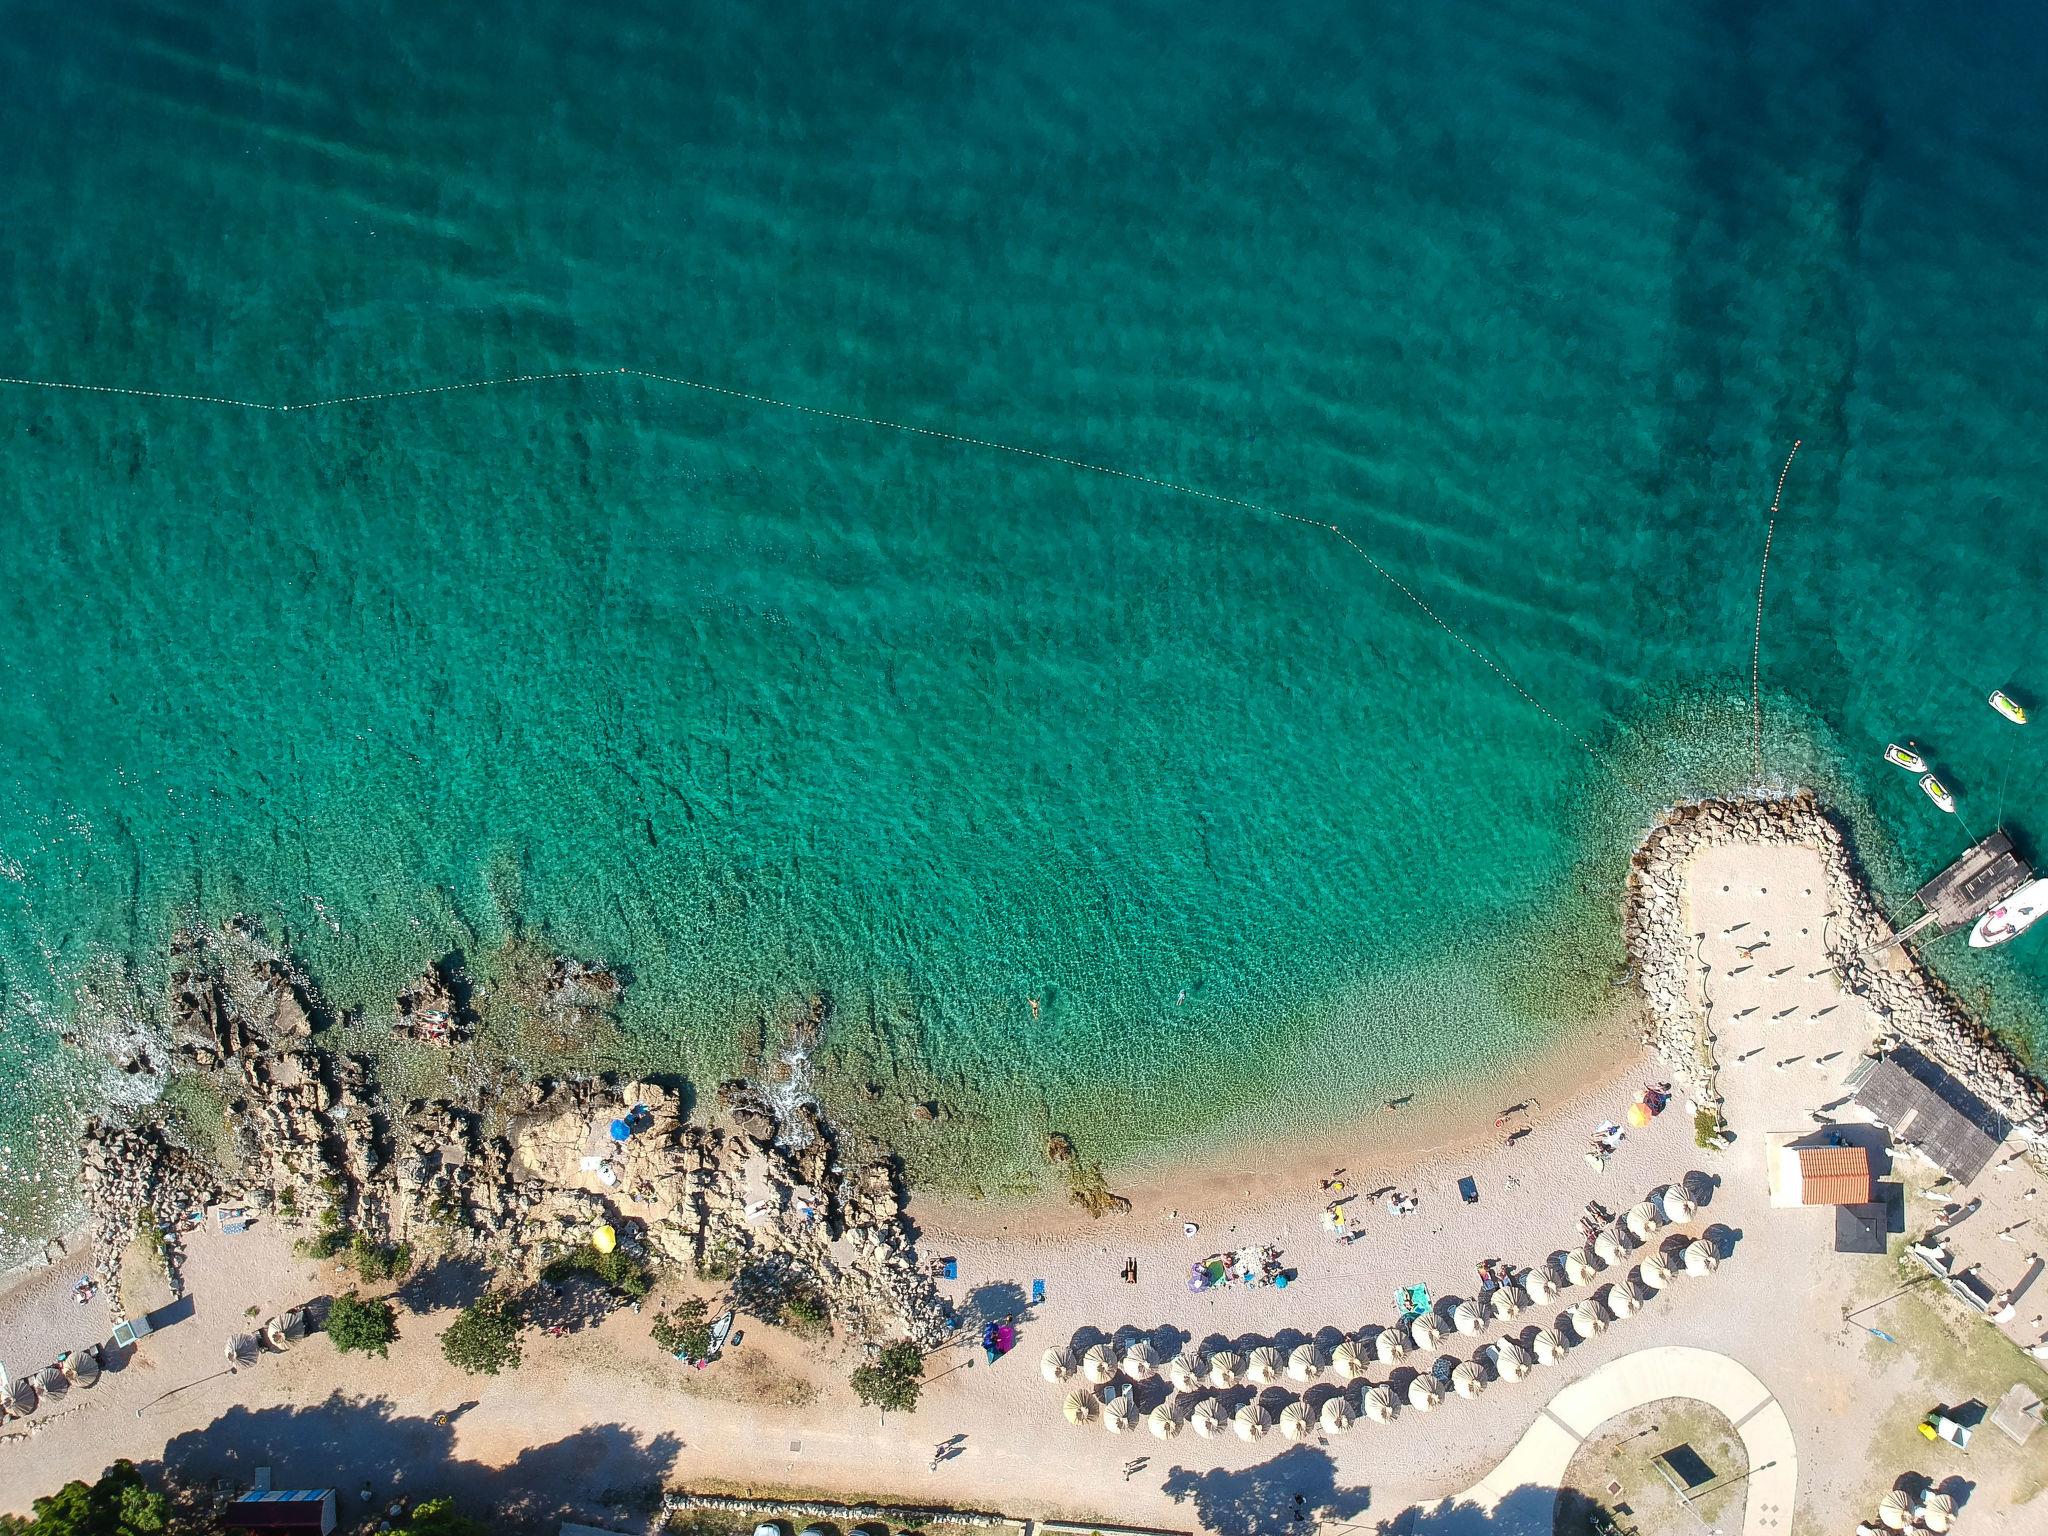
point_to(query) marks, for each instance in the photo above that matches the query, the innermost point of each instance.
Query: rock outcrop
(1914, 1004)
(759, 1195)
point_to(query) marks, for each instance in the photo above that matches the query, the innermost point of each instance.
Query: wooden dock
(1984, 876)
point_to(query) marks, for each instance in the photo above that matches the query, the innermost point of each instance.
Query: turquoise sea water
(1531, 300)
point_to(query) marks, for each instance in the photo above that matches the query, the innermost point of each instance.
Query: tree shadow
(1526, 1511)
(993, 1301)
(1293, 1490)
(450, 1281)
(571, 1304)
(351, 1443)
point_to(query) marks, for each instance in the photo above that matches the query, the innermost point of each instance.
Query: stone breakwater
(1916, 1007)
(513, 1174)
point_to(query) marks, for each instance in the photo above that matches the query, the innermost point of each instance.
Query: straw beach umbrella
(1466, 1319)
(1120, 1414)
(1296, 1422)
(1207, 1420)
(1264, 1366)
(1678, 1206)
(1937, 1512)
(1510, 1360)
(21, 1397)
(1226, 1369)
(1541, 1284)
(1642, 1220)
(1348, 1361)
(83, 1365)
(1467, 1379)
(1304, 1362)
(1894, 1510)
(1164, 1422)
(1609, 1246)
(51, 1383)
(1424, 1394)
(1700, 1258)
(1506, 1301)
(1622, 1301)
(1057, 1364)
(1579, 1267)
(1388, 1345)
(1424, 1331)
(1337, 1415)
(1378, 1404)
(1586, 1321)
(1251, 1421)
(243, 1349)
(1140, 1362)
(1549, 1346)
(1100, 1365)
(1653, 1274)
(1082, 1408)
(1188, 1369)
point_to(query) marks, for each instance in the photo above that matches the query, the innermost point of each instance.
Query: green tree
(484, 1338)
(684, 1329)
(354, 1323)
(379, 1261)
(893, 1379)
(437, 1517)
(119, 1504)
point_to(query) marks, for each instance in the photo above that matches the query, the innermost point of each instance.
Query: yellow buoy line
(373, 396)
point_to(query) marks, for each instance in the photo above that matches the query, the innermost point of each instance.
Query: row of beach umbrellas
(1936, 1512)
(29, 1394)
(1506, 1360)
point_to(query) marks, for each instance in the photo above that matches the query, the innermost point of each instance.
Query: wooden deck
(1976, 882)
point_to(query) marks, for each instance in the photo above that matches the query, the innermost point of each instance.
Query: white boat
(1938, 792)
(2012, 916)
(1912, 762)
(2003, 703)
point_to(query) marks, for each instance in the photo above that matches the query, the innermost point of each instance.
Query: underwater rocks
(1915, 1005)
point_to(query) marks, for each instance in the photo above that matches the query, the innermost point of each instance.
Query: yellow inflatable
(604, 1239)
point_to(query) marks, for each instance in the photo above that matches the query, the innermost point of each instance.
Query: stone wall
(1915, 1006)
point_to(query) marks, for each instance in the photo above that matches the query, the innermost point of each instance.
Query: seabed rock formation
(515, 1176)
(1916, 1007)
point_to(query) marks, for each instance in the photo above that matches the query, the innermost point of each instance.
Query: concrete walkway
(1540, 1457)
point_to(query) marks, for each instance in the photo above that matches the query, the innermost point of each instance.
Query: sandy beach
(598, 1410)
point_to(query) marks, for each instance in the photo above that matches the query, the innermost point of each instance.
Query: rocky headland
(1915, 1005)
(509, 1172)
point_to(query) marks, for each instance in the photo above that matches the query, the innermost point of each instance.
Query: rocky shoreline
(1918, 1007)
(514, 1174)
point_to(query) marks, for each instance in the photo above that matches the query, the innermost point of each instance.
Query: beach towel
(1037, 1292)
(949, 1269)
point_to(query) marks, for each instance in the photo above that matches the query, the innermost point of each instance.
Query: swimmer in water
(1182, 998)
(1034, 1007)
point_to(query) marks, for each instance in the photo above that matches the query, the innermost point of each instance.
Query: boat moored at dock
(2012, 916)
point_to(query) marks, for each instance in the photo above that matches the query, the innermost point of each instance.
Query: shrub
(718, 1263)
(1706, 1127)
(437, 1517)
(684, 1329)
(618, 1271)
(119, 1504)
(378, 1261)
(484, 1338)
(893, 1379)
(805, 1313)
(288, 1204)
(356, 1324)
(325, 1246)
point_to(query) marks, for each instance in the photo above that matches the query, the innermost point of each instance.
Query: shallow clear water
(764, 704)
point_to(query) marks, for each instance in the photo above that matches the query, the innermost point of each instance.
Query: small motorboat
(2012, 916)
(1912, 762)
(2003, 703)
(1938, 792)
